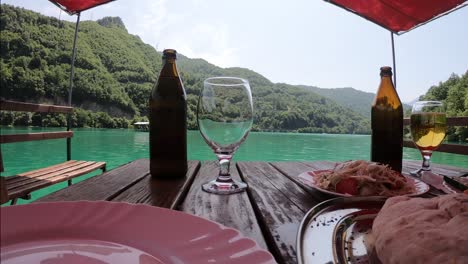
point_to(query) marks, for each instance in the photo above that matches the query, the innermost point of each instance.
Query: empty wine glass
(428, 127)
(225, 116)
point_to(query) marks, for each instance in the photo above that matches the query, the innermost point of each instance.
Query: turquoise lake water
(119, 146)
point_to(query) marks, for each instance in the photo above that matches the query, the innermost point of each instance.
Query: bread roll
(418, 230)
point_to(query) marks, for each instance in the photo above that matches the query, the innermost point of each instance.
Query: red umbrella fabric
(400, 16)
(76, 6)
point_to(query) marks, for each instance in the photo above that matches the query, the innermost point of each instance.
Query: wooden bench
(21, 185)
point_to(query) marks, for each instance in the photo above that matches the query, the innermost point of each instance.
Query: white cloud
(207, 41)
(154, 20)
(164, 25)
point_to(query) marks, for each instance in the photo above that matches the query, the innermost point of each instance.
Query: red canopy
(400, 16)
(76, 6)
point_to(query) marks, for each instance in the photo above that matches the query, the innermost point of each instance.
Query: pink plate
(307, 178)
(107, 232)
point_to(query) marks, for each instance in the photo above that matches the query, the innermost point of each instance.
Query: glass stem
(224, 168)
(426, 165)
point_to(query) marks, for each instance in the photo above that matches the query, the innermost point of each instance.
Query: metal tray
(335, 230)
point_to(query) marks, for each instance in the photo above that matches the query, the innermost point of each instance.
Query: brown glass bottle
(168, 122)
(387, 123)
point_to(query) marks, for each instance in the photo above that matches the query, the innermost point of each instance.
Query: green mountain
(356, 100)
(115, 72)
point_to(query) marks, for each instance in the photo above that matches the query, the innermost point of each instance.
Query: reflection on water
(119, 146)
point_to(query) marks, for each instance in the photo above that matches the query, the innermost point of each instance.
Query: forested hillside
(454, 94)
(115, 72)
(349, 97)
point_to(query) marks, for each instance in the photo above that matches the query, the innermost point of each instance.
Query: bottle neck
(169, 68)
(387, 81)
(387, 95)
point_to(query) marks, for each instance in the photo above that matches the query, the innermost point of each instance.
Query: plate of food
(101, 232)
(362, 178)
(376, 230)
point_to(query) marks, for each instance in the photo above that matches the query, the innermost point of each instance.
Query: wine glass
(225, 116)
(428, 127)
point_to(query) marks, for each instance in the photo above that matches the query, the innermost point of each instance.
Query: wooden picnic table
(269, 212)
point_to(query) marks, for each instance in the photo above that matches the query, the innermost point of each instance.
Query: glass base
(419, 172)
(224, 187)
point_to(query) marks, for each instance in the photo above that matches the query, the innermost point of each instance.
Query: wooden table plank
(263, 171)
(103, 187)
(280, 205)
(140, 192)
(162, 193)
(320, 165)
(293, 169)
(411, 165)
(233, 210)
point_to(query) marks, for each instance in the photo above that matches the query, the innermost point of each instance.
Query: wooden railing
(34, 136)
(446, 147)
(6, 105)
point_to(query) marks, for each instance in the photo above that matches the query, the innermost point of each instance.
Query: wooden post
(3, 191)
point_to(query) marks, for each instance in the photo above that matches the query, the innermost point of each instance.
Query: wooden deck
(269, 212)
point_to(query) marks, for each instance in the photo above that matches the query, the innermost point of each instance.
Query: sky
(307, 42)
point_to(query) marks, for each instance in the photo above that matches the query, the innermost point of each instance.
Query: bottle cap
(385, 71)
(169, 53)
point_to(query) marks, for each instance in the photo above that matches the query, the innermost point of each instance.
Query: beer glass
(428, 127)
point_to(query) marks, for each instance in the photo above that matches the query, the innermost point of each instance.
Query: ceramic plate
(107, 232)
(343, 225)
(308, 179)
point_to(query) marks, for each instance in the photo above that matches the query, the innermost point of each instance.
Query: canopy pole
(70, 90)
(394, 64)
(72, 73)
